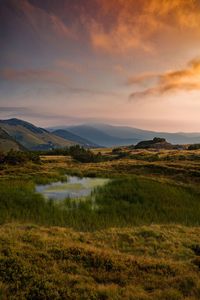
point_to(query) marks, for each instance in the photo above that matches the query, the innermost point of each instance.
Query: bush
(194, 147)
(77, 152)
(18, 157)
(84, 155)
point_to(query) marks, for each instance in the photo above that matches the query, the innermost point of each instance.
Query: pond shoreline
(74, 187)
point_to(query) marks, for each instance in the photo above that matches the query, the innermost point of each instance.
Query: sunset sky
(123, 62)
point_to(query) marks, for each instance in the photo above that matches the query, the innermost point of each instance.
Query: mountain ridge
(89, 135)
(125, 135)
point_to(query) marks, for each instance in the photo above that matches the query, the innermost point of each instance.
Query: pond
(75, 187)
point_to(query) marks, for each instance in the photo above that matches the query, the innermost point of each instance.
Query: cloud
(59, 27)
(121, 26)
(91, 92)
(142, 78)
(46, 25)
(11, 109)
(35, 75)
(109, 26)
(18, 111)
(57, 78)
(187, 79)
(67, 64)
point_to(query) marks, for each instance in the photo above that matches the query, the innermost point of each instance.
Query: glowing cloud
(187, 79)
(121, 26)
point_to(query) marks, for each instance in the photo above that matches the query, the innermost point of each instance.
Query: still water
(75, 187)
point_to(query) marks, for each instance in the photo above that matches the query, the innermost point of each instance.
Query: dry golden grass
(155, 262)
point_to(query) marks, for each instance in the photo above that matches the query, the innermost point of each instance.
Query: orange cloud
(187, 79)
(142, 78)
(121, 26)
(112, 26)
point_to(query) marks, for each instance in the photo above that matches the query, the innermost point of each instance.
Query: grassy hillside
(7, 142)
(32, 137)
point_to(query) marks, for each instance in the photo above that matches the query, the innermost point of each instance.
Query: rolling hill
(32, 137)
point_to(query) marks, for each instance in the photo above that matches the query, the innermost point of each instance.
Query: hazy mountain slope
(32, 137)
(74, 138)
(100, 137)
(121, 131)
(7, 142)
(109, 135)
(140, 135)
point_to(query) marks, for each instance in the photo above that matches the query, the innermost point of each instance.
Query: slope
(100, 137)
(7, 142)
(74, 138)
(140, 134)
(110, 135)
(32, 137)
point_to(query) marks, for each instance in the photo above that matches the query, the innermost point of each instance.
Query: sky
(122, 62)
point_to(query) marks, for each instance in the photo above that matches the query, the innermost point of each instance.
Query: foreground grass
(128, 201)
(143, 263)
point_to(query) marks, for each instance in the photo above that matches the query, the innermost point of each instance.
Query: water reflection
(75, 187)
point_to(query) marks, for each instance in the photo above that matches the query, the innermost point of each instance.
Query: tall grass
(122, 202)
(137, 201)
(18, 201)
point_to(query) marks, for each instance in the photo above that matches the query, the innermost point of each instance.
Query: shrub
(194, 147)
(18, 157)
(84, 155)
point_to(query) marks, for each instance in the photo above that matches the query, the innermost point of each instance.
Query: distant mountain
(32, 137)
(7, 142)
(140, 134)
(109, 135)
(65, 134)
(100, 137)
